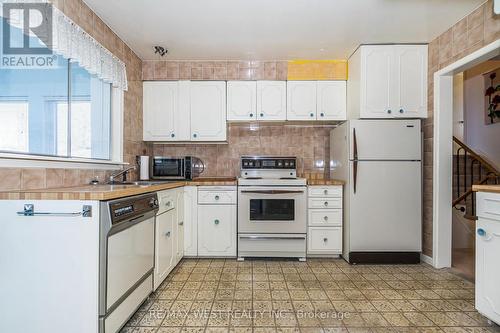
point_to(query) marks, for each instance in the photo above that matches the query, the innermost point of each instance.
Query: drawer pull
(325, 218)
(217, 197)
(216, 222)
(167, 234)
(326, 203)
(167, 203)
(325, 239)
(325, 192)
(181, 223)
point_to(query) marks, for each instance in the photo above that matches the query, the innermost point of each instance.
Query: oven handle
(271, 191)
(271, 237)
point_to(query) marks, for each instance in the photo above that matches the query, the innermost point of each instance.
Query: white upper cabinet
(301, 100)
(271, 100)
(388, 81)
(241, 100)
(208, 110)
(160, 108)
(331, 100)
(411, 80)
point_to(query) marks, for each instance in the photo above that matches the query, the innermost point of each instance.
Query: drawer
(325, 217)
(217, 197)
(325, 191)
(488, 205)
(324, 203)
(166, 201)
(272, 245)
(324, 240)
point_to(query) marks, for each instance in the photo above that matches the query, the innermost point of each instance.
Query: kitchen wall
(474, 31)
(310, 143)
(30, 178)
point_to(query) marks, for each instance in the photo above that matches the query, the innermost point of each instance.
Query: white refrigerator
(381, 164)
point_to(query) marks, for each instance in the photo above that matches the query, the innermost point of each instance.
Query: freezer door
(385, 210)
(385, 140)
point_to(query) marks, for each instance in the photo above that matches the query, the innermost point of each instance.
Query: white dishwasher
(487, 255)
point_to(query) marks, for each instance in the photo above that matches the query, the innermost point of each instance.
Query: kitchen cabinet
(241, 100)
(216, 221)
(487, 249)
(179, 197)
(176, 111)
(271, 100)
(316, 100)
(191, 221)
(301, 100)
(208, 110)
(324, 220)
(165, 237)
(388, 81)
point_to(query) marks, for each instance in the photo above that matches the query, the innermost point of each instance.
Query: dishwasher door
(130, 258)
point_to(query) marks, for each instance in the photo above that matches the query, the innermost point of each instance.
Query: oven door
(167, 168)
(272, 209)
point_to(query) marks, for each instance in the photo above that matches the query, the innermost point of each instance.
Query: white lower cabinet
(324, 218)
(216, 221)
(191, 221)
(179, 197)
(165, 237)
(487, 250)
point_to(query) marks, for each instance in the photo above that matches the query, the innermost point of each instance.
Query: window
(60, 111)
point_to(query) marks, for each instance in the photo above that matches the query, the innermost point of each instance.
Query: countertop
(326, 182)
(486, 188)
(108, 192)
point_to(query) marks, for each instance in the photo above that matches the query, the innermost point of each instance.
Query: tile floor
(217, 295)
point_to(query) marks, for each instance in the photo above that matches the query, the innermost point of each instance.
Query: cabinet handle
(325, 218)
(322, 114)
(326, 203)
(311, 114)
(262, 114)
(172, 135)
(251, 115)
(389, 111)
(216, 221)
(167, 203)
(195, 135)
(481, 232)
(181, 223)
(325, 192)
(217, 197)
(167, 234)
(401, 110)
(325, 239)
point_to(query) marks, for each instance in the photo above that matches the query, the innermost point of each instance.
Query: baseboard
(426, 259)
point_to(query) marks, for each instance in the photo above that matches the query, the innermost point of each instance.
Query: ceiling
(274, 29)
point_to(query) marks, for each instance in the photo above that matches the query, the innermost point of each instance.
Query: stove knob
(286, 164)
(153, 202)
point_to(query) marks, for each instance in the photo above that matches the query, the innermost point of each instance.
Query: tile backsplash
(309, 143)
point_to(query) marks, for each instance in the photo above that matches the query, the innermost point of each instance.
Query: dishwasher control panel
(129, 208)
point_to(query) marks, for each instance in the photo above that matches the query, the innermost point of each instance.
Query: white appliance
(272, 208)
(380, 162)
(487, 250)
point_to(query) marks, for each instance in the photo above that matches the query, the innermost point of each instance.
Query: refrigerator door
(385, 140)
(385, 210)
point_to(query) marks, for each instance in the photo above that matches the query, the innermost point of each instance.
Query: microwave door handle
(271, 191)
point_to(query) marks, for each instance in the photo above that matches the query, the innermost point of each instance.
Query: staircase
(469, 169)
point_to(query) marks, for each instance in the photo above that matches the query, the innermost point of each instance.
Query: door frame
(443, 151)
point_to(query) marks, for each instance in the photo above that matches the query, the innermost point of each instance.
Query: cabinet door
(160, 105)
(410, 81)
(377, 81)
(165, 248)
(271, 100)
(324, 240)
(332, 100)
(301, 100)
(190, 221)
(241, 100)
(217, 230)
(208, 111)
(487, 268)
(180, 223)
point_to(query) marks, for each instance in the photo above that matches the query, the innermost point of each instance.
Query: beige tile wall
(79, 12)
(474, 31)
(214, 70)
(308, 142)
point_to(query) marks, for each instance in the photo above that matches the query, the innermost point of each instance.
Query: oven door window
(167, 168)
(272, 209)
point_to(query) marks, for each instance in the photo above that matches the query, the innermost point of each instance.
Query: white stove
(272, 210)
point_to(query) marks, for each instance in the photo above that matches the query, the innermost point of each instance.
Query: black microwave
(176, 168)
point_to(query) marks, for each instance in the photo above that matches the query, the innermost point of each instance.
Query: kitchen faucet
(122, 173)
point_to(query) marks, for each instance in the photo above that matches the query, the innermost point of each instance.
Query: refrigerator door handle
(354, 174)
(354, 145)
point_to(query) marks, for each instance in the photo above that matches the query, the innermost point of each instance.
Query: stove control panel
(268, 163)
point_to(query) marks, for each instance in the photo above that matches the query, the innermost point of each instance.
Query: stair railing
(481, 172)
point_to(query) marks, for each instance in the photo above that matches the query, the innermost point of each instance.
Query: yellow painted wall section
(317, 70)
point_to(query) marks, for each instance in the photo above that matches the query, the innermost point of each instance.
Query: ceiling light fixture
(160, 50)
